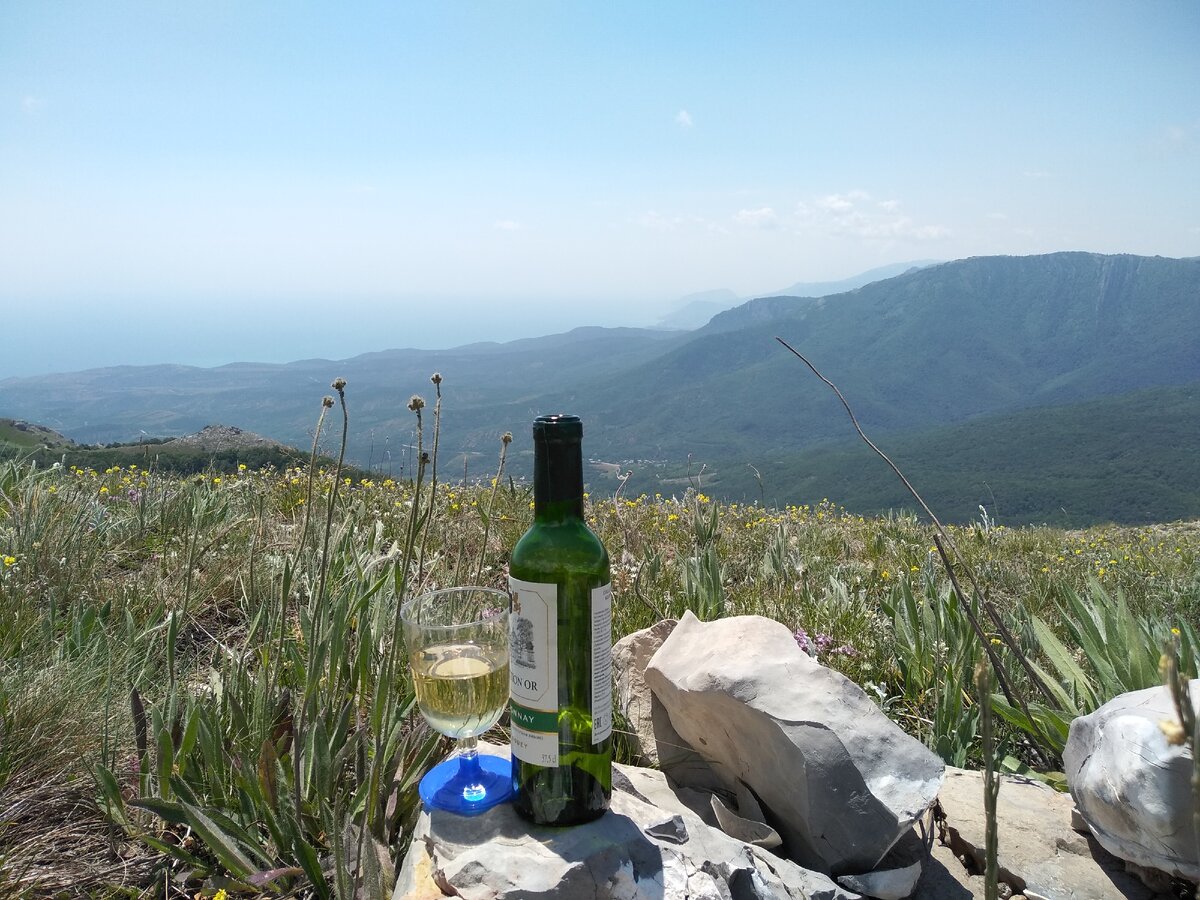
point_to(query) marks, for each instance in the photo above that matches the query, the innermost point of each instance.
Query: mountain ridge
(928, 348)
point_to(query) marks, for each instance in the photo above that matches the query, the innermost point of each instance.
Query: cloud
(764, 217)
(507, 225)
(1180, 137)
(656, 221)
(842, 203)
(855, 214)
(683, 119)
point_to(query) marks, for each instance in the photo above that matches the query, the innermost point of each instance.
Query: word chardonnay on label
(560, 643)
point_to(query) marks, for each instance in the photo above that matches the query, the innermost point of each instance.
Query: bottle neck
(557, 480)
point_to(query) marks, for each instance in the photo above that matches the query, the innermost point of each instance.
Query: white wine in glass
(457, 641)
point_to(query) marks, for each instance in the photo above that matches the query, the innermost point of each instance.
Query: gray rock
(837, 778)
(630, 656)
(1038, 851)
(1131, 786)
(653, 739)
(638, 851)
(892, 884)
(751, 830)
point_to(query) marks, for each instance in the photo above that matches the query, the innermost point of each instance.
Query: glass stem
(468, 762)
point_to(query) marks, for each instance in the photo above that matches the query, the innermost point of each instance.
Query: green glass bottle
(560, 648)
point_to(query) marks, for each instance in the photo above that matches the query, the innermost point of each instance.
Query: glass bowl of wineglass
(457, 643)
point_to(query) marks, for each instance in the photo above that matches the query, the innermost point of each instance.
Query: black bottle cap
(557, 427)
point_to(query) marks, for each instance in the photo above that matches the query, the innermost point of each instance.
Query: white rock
(1132, 787)
(838, 779)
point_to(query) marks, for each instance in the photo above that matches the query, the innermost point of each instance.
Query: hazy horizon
(219, 183)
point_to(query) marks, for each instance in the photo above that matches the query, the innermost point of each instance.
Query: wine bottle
(560, 643)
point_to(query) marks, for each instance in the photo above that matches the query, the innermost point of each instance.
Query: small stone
(672, 830)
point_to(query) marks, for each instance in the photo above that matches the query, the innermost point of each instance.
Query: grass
(198, 688)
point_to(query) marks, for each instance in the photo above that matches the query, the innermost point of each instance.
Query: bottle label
(601, 663)
(533, 671)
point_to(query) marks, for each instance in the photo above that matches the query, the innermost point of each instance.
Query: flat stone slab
(639, 850)
(1040, 854)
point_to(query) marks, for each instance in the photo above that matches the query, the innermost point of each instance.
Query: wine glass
(457, 641)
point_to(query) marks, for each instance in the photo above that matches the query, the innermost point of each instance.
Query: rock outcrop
(652, 845)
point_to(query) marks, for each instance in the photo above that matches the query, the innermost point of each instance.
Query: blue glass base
(467, 790)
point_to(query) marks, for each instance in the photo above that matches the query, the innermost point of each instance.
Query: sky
(202, 183)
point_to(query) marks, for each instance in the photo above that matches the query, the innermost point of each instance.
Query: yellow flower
(221, 895)
(241, 467)
(9, 561)
(1175, 631)
(216, 481)
(104, 488)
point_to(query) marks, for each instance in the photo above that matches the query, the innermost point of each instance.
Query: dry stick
(339, 385)
(505, 440)
(436, 378)
(1005, 634)
(326, 405)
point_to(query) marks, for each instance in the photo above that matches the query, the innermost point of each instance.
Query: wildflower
(241, 467)
(9, 562)
(217, 480)
(221, 895)
(436, 377)
(104, 489)
(415, 403)
(506, 438)
(327, 402)
(339, 384)
(1175, 631)
(802, 639)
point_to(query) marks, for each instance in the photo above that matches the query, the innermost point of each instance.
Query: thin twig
(993, 614)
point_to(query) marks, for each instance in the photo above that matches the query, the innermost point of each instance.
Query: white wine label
(601, 663)
(533, 671)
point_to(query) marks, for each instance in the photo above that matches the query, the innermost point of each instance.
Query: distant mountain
(695, 310)
(825, 288)
(1129, 458)
(936, 347)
